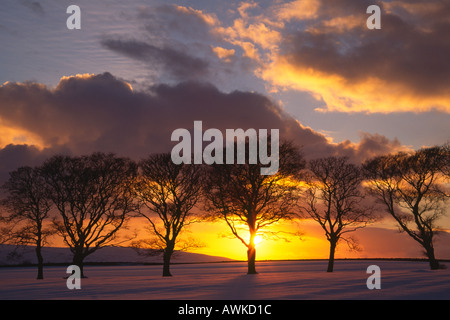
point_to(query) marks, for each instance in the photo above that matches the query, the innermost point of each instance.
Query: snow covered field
(206, 281)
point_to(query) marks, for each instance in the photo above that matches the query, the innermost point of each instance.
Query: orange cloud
(244, 6)
(339, 24)
(207, 18)
(12, 135)
(223, 53)
(369, 95)
(299, 10)
(332, 55)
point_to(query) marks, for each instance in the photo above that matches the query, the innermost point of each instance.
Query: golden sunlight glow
(218, 241)
(86, 76)
(257, 240)
(78, 75)
(369, 95)
(260, 37)
(11, 135)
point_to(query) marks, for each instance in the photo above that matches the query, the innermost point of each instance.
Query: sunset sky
(137, 70)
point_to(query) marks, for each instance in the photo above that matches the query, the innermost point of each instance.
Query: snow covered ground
(222, 281)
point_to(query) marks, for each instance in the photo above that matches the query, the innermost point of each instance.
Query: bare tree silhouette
(93, 195)
(29, 206)
(333, 198)
(167, 193)
(241, 196)
(414, 188)
(6, 228)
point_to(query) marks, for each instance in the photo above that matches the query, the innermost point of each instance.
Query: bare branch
(334, 199)
(414, 188)
(167, 194)
(239, 194)
(93, 196)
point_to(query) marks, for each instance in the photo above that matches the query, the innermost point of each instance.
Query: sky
(137, 70)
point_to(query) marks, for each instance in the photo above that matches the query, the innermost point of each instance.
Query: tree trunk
(166, 260)
(331, 258)
(251, 254)
(251, 258)
(434, 263)
(40, 260)
(78, 261)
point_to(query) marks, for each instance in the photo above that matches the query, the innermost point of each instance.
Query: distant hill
(57, 255)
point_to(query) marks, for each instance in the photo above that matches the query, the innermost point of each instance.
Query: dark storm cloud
(411, 49)
(174, 42)
(88, 113)
(370, 145)
(179, 64)
(172, 21)
(15, 156)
